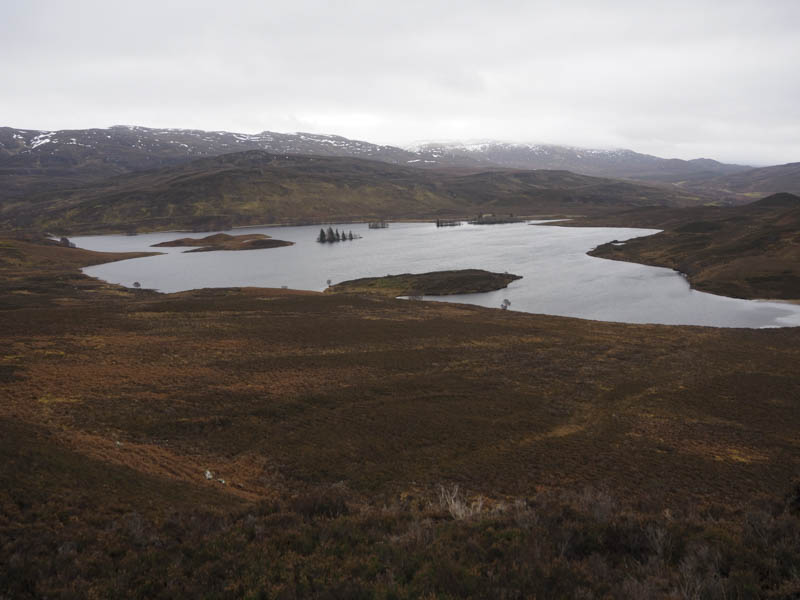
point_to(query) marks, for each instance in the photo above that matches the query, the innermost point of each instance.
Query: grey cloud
(673, 78)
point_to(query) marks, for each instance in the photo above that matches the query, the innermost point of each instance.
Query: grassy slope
(256, 187)
(750, 251)
(333, 418)
(36, 271)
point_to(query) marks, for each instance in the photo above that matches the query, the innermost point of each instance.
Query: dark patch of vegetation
(328, 502)
(699, 227)
(493, 219)
(8, 373)
(437, 283)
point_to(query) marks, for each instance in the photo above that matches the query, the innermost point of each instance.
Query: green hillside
(255, 187)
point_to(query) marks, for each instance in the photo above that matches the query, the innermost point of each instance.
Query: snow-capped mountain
(136, 148)
(142, 147)
(33, 161)
(586, 161)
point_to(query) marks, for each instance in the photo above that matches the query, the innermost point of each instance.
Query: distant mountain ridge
(618, 163)
(137, 148)
(34, 162)
(144, 147)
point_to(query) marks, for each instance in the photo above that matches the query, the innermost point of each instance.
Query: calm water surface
(558, 277)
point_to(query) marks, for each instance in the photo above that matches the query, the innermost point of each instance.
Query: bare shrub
(636, 589)
(598, 503)
(563, 541)
(659, 540)
(690, 580)
(525, 516)
(135, 526)
(419, 533)
(757, 527)
(457, 505)
(698, 573)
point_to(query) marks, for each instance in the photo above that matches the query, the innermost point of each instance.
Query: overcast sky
(710, 78)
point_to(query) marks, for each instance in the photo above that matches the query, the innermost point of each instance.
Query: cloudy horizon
(678, 79)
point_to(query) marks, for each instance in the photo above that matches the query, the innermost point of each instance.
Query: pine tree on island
(330, 235)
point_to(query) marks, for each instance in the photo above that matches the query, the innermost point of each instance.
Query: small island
(437, 283)
(331, 236)
(223, 241)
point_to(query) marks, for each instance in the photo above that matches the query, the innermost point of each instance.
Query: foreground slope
(614, 460)
(384, 392)
(256, 187)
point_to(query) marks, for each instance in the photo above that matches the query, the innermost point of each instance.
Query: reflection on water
(558, 277)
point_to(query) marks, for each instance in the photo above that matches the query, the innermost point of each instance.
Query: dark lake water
(558, 277)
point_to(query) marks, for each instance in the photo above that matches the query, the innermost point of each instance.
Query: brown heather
(376, 448)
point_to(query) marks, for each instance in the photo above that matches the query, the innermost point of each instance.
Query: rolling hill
(256, 187)
(759, 182)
